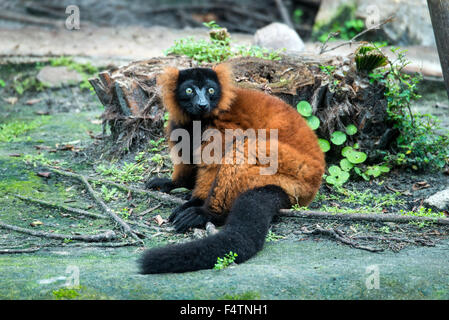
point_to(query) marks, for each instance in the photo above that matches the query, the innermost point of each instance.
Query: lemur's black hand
(161, 184)
(193, 202)
(192, 217)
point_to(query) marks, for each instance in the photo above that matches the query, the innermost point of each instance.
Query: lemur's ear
(168, 81)
(226, 79)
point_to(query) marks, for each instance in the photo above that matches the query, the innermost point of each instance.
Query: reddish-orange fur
(300, 160)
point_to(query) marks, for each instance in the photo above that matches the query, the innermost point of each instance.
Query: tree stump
(134, 111)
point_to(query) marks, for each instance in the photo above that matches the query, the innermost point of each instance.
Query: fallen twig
(105, 236)
(100, 202)
(149, 210)
(62, 207)
(153, 194)
(14, 250)
(79, 211)
(108, 211)
(324, 46)
(104, 245)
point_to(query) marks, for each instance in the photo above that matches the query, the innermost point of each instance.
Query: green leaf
(304, 108)
(337, 176)
(346, 165)
(351, 129)
(313, 122)
(356, 157)
(334, 170)
(338, 138)
(324, 145)
(345, 151)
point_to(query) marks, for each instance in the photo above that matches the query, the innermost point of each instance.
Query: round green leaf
(337, 176)
(334, 170)
(356, 157)
(338, 138)
(345, 164)
(345, 151)
(351, 129)
(313, 122)
(304, 108)
(324, 145)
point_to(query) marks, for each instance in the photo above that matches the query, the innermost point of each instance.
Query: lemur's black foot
(160, 184)
(193, 217)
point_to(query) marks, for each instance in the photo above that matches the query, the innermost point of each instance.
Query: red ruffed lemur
(233, 193)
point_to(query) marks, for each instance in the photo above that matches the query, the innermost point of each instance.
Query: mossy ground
(286, 269)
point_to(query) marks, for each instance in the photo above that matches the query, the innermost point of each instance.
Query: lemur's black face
(198, 91)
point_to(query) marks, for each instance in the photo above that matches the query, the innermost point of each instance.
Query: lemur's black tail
(244, 234)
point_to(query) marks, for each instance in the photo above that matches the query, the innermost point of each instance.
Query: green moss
(11, 131)
(248, 295)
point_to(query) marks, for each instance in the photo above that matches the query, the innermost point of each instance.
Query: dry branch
(105, 236)
(154, 194)
(324, 49)
(14, 250)
(78, 211)
(100, 202)
(108, 211)
(62, 207)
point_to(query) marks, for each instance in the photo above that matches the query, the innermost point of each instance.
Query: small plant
(40, 159)
(2, 83)
(125, 213)
(297, 15)
(345, 25)
(226, 261)
(418, 146)
(385, 229)
(157, 146)
(108, 194)
(352, 159)
(22, 84)
(11, 131)
(158, 159)
(271, 237)
(217, 48)
(65, 294)
(424, 212)
(249, 295)
(129, 172)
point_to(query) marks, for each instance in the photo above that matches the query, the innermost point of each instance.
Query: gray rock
(58, 76)
(411, 26)
(277, 36)
(439, 201)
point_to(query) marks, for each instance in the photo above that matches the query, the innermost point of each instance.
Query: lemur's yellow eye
(211, 91)
(189, 90)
